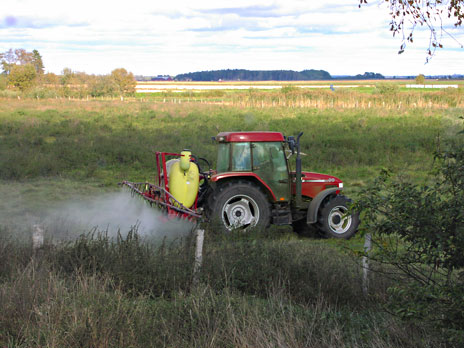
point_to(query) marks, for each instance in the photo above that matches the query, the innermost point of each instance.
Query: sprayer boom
(162, 199)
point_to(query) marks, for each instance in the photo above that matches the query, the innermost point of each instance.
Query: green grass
(112, 141)
(259, 290)
(255, 291)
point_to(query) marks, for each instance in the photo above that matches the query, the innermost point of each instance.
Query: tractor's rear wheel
(335, 220)
(239, 205)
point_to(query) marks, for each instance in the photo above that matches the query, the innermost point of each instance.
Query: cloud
(249, 11)
(22, 22)
(179, 35)
(10, 21)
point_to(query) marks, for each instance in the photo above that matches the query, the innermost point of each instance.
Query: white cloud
(153, 37)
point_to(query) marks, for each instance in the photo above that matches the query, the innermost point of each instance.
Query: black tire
(239, 205)
(333, 219)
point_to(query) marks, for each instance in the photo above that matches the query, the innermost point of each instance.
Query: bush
(137, 267)
(8, 93)
(22, 76)
(419, 231)
(3, 82)
(387, 88)
(41, 92)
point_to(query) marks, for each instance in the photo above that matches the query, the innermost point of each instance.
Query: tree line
(24, 72)
(268, 75)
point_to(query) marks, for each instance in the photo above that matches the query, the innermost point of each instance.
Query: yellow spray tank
(184, 178)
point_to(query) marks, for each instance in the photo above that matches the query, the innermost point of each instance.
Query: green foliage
(387, 88)
(116, 141)
(20, 56)
(137, 267)
(255, 75)
(100, 86)
(66, 76)
(124, 81)
(3, 82)
(128, 292)
(369, 76)
(420, 79)
(419, 231)
(249, 266)
(78, 84)
(37, 62)
(22, 77)
(289, 89)
(8, 59)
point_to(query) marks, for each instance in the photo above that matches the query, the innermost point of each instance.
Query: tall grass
(101, 293)
(111, 141)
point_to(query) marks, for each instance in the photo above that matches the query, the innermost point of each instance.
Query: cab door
(268, 159)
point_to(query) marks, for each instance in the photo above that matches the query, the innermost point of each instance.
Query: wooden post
(37, 237)
(200, 236)
(365, 263)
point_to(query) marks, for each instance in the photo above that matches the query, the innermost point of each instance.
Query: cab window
(241, 157)
(223, 158)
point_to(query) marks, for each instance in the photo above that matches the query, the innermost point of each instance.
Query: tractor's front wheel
(239, 205)
(335, 220)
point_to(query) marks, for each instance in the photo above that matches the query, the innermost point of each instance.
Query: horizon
(179, 37)
(332, 75)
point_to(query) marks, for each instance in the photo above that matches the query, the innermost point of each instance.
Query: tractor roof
(240, 137)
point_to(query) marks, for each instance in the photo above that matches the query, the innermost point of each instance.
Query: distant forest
(268, 75)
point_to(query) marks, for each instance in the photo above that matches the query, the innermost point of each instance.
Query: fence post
(200, 236)
(365, 263)
(37, 237)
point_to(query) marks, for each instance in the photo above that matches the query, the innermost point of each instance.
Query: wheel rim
(240, 211)
(339, 221)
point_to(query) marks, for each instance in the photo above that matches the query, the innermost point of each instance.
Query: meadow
(262, 289)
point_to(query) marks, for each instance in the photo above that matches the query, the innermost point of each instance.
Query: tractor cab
(258, 155)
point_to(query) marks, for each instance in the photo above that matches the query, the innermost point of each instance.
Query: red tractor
(252, 186)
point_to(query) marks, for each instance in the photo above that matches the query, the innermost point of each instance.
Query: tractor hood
(319, 178)
(313, 183)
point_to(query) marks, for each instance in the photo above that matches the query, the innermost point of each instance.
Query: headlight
(340, 185)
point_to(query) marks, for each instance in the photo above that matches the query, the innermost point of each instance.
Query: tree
(8, 59)
(428, 13)
(420, 79)
(3, 82)
(22, 76)
(21, 57)
(66, 76)
(124, 81)
(50, 78)
(102, 85)
(37, 62)
(418, 231)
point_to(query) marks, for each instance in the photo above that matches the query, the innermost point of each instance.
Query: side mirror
(291, 143)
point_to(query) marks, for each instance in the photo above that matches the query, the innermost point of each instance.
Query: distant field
(262, 83)
(368, 86)
(299, 83)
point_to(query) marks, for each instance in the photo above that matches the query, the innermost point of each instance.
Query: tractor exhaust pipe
(298, 199)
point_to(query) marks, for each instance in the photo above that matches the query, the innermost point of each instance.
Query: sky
(152, 37)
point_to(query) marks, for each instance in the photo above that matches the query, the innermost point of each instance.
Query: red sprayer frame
(160, 196)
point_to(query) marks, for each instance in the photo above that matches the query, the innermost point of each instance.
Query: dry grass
(43, 307)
